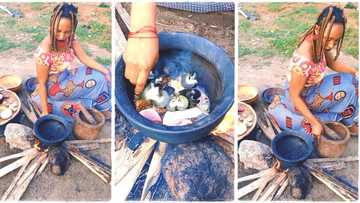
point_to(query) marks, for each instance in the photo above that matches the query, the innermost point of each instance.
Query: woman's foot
(107, 114)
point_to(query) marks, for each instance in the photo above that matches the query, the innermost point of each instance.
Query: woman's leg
(84, 84)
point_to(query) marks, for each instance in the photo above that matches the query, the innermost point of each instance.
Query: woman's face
(64, 30)
(331, 39)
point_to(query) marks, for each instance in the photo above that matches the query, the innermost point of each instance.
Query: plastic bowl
(292, 148)
(52, 129)
(269, 93)
(217, 77)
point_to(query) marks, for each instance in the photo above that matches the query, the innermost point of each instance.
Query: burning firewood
(282, 188)
(270, 191)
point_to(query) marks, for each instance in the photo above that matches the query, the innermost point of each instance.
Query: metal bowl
(52, 129)
(292, 148)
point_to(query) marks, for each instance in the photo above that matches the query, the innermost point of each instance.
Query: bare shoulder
(305, 49)
(45, 44)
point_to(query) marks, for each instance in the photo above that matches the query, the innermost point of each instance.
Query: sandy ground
(79, 183)
(271, 72)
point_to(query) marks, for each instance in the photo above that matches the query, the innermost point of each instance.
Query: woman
(312, 98)
(64, 83)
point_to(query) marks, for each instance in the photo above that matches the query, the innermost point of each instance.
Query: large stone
(18, 136)
(255, 155)
(198, 171)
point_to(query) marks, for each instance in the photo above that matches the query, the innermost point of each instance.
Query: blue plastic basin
(52, 129)
(292, 148)
(217, 78)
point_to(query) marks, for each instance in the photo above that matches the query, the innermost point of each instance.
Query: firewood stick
(254, 185)
(345, 159)
(74, 142)
(273, 187)
(85, 147)
(129, 158)
(32, 168)
(123, 187)
(154, 169)
(101, 171)
(256, 175)
(259, 191)
(14, 156)
(332, 179)
(104, 175)
(15, 180)
(330, 186)
(43, 166)
(21, 188)
(282, 188)
(16, 164)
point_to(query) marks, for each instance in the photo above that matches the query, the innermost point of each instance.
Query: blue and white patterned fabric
(200, 7)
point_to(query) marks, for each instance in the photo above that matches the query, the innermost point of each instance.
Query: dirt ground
(271, 72)
(78, 183)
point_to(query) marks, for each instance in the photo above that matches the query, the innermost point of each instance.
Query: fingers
(131, 73)
(141, 81)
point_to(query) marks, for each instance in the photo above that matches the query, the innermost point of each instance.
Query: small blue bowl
(217, 78)
(52, 129)
(269, 93)
(292, 148)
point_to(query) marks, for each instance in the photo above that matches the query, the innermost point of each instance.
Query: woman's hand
(140, 57)
(317, 129)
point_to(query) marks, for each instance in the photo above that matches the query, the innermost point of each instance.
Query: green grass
(37, 5)
(6, 44)
(28, 46)
(274, 7)
(243, 50)
(244, 25)
(103, 60)
(104, 5)
(350, 44)
(95, 33)
(37, 33)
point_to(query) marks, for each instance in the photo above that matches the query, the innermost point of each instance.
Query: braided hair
(328, 17)
(63, 10)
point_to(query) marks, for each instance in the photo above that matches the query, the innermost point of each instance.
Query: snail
(178, 103)
(188, 80)
(159, 97)
(192, 95)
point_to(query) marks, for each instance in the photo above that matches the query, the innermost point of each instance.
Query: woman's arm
(142, 51)
(42, 76)
(86, 60)
(339, 67)
(297, 84)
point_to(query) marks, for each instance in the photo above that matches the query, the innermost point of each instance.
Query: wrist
(144, 32)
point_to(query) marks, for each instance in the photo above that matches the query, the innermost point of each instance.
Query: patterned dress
(332, 97)
(71, 83)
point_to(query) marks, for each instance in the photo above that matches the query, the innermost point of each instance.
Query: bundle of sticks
(76, 148)
(269, 184)
(31, 163)
(341, 188)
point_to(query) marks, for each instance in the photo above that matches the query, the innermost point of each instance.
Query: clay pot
(333, 148)
(86, 131)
